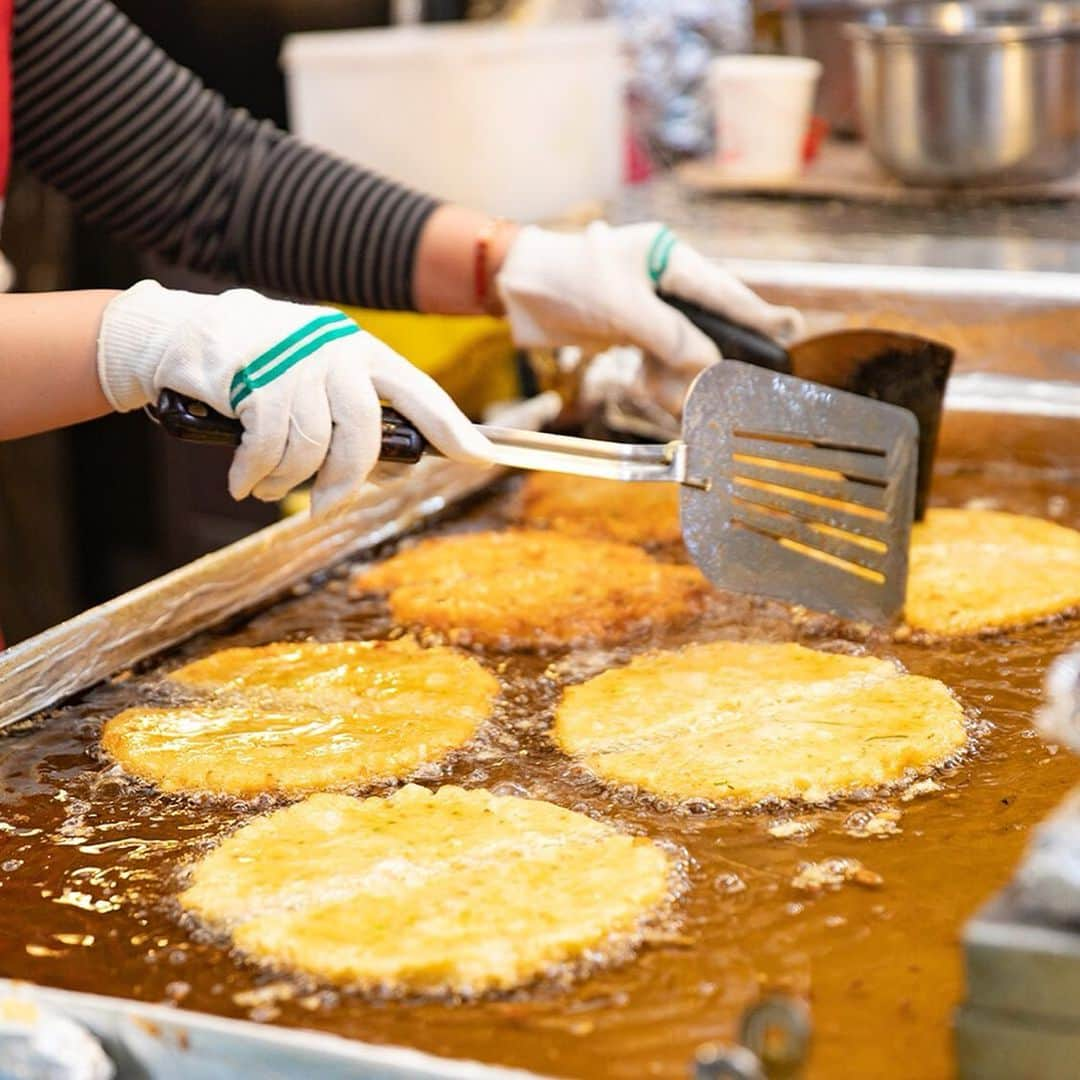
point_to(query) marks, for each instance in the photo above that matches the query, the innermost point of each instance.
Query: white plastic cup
(762, 106)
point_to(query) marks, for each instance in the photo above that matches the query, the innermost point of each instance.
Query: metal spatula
(901, 368)
(811, 495)
(787, 488)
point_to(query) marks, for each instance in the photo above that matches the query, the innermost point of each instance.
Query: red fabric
(5, 113)
(815, 135)
(5, 93)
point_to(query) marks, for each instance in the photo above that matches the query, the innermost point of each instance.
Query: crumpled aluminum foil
(634, 394)
(1048, 881)
(671, 43)
(1059, 718)
(36, 1044)
(1047, 885)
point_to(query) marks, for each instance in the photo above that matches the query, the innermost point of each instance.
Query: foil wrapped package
(36, 1042)
(1047, 885)
(1048, 882)
(1059, 718)
(671, 43)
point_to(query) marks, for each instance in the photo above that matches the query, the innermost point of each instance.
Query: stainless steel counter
(965, 236)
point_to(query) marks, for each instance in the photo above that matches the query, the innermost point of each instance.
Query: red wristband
(482, 261)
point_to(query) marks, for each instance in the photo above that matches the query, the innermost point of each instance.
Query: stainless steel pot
(815, 28)
(971, 94)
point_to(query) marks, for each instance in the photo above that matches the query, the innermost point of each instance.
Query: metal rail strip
(143, 1040)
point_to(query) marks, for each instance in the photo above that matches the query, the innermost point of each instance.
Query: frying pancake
(973, 570)
(740, 723)
(631, 513)
(529, 589)
(459, 890)
(298, 717)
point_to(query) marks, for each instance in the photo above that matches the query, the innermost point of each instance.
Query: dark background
(92, 511)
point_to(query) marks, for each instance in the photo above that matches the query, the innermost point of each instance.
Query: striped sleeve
(141, 146)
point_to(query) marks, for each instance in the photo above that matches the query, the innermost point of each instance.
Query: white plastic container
(525, 122)
(762, 106)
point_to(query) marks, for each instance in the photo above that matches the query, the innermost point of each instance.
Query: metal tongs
(788, 488)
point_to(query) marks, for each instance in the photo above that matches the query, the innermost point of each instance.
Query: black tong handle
(735, 341)
(193, 421)
(402, 443)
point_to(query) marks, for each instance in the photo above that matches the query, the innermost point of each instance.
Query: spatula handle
(735, 341)
(194, 421)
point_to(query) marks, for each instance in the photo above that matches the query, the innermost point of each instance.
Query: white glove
(598, 288)
(304, 381)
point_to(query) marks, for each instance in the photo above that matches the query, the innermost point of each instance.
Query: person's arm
(142, 147)
(444, 278)
(48, 342)
(304, 381)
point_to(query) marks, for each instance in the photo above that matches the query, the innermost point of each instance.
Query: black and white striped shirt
(141, 146)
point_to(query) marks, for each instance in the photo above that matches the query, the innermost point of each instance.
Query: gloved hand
(598, 288)
(304, 381)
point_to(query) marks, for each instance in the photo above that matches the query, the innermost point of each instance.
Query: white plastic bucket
(762, 106)
(525, 122)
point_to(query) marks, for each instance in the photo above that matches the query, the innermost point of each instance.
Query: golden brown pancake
(306, 716)
(973, 570)
(739, 723)
(417, 893)
(631, 513)
(529, 589)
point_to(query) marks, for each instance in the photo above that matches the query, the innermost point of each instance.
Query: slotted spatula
(788, 488)
(901, 368)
